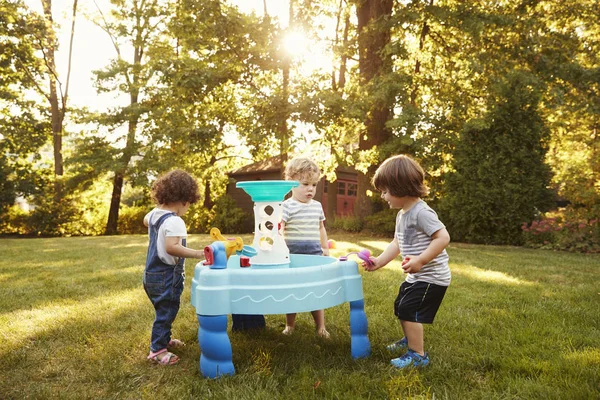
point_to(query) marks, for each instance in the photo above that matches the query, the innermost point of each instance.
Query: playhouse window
(352, 189)
(342, 188)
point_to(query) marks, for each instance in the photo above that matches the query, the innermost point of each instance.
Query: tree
(138, 23)
(24, 127)
(58, 106)
(500, 177)
(374, 63)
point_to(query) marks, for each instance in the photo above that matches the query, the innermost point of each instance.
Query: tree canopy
(499, 101)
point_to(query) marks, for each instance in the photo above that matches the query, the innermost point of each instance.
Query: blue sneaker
(399, 345)
(410, 359)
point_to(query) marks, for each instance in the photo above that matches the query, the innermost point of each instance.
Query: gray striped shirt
(302, 220)
(414, 229)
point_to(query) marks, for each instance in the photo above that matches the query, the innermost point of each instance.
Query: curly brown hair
(301, 168)
(400, 176)
(174, 186)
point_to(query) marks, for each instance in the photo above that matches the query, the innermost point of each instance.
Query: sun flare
(296, 44)
(306, 54)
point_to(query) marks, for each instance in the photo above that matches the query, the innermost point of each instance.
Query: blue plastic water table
(276, 282)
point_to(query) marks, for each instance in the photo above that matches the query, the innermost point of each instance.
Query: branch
(64, 99)
(30, 75)
(106, 29)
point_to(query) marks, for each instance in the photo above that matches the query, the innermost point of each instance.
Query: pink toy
(364, 255)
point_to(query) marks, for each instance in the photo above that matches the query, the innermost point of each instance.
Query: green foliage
(500, 178)
(14, 221)
(78, 213)
(228, 217)
(23, 130)
(224, 214)
(198, 219)
(382, 222)
(7, 187)
(131, 220)
(570, 229)
(64, 218)
(347, 224)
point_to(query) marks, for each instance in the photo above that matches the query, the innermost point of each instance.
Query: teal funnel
(265, 191)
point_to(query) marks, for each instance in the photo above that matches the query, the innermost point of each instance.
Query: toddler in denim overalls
(164, 273)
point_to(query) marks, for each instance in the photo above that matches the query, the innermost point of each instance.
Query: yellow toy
(231, 245)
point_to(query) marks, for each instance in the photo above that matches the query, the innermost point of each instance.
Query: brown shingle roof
(273, 164)
(270, 164)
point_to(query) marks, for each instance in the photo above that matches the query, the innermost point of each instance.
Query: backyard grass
(515, 324)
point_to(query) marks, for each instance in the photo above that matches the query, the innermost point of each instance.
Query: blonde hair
(301, 167)
(400, 176)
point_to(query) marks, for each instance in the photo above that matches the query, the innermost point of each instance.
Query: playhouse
(337, 197)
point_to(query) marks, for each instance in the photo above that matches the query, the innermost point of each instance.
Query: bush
(567, 229)
(198, 219)
(500, 177)
(229, 218)
(65, 218)
(347, 224)
(131, 220)
(14, 221)
(383, 222)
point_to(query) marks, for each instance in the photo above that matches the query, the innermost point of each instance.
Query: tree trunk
(208, 203)
(115, 202)
(422, 36)
(284, 141)
(55, 109)
(373, 36)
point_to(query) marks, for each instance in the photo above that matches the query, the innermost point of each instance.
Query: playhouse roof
(272, 164)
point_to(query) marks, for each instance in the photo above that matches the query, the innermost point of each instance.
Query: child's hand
(325, 252)
(411, 264)
(372, 265)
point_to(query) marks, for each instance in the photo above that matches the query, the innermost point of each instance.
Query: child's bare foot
(288, 330)
(163, 357)
(175, 343)
(322, 332)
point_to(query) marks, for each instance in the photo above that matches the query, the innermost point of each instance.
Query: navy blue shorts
(311, 247)
(419, 301)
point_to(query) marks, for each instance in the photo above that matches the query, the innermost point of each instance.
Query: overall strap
(161, 220)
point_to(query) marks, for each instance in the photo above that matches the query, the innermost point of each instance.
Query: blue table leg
(215, 348)
(359, 328)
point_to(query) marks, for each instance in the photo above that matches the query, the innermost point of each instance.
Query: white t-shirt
(172, 226)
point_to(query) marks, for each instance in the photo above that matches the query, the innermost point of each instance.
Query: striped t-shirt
(414, 229)
(302, 220)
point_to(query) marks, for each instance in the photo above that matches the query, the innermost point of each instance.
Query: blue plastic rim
(267, 190)
(247, 251)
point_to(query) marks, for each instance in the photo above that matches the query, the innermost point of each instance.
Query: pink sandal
(168, 358)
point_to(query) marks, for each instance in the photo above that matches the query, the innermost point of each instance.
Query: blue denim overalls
(163, 284)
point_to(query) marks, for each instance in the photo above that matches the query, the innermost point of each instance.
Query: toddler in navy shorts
(422, 239)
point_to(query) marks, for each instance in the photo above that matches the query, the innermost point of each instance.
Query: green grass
(515, 324)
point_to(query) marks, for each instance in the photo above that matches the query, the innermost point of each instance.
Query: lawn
(515, 324)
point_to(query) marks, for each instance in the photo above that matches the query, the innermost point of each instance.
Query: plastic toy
(364, 255)
(331, 244)
(231, 245)
(274, 283)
